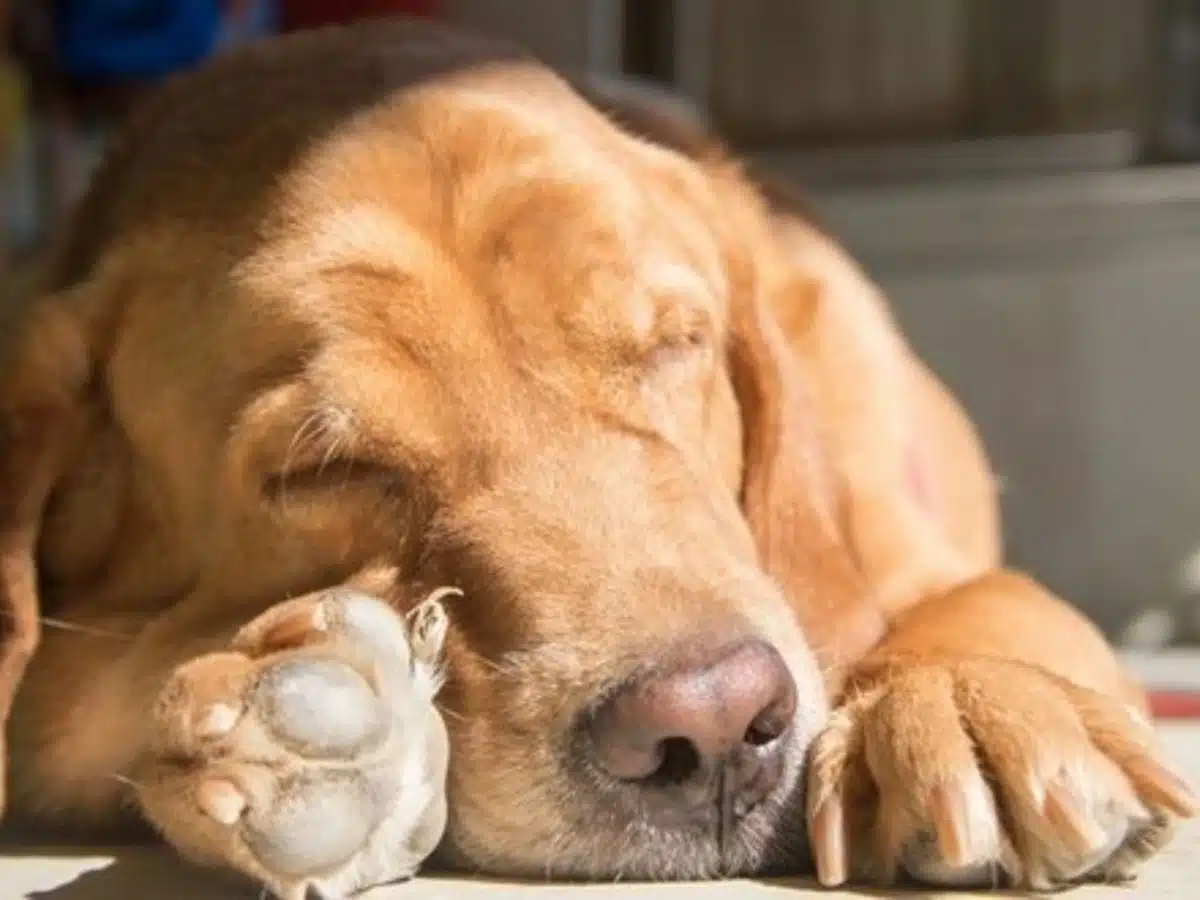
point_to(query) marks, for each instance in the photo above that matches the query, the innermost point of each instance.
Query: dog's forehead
(584, 231)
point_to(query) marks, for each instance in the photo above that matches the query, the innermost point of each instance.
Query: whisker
(331, 451)
(310, 429)
(498, 668)
(63, 625)
(556, 848)
(124, 779)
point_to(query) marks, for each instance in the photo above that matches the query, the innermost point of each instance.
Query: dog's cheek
(503, 816)
(503, 773)
(724, 432)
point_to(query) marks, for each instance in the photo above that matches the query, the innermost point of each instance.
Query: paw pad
(320, 707)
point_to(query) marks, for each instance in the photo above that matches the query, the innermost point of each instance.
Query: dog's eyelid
(682, 333)
(334, 473)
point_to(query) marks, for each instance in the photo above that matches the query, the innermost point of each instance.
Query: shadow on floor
(128, 873)
(138, 872)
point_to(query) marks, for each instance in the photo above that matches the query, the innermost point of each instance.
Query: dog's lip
(707, 809)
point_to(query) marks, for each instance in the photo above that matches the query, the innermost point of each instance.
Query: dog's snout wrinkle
(709, 734)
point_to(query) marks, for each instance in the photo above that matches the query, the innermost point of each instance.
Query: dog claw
(1166, 789)
(1064, 812)
(964, 820)
(951, 824)
(827, 830)
(429, 624)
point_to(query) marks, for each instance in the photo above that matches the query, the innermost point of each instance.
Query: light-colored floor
(147, 873)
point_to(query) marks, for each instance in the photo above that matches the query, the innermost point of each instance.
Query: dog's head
(329, 313)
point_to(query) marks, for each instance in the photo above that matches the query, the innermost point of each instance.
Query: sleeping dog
(355, 313)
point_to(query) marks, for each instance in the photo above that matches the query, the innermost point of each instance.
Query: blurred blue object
(148, 38)
(258, 18)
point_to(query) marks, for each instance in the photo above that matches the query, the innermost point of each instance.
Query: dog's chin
(611, 842)
(770, 841)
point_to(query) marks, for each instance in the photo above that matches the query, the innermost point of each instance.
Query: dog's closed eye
(333, 474)
(679, 344)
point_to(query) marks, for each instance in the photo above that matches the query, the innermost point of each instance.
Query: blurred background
(1020, 175)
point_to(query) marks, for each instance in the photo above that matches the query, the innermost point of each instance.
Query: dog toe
(981, 773)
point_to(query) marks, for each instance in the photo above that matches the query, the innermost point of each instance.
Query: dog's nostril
(677, 729)
(771, 724)
(679, 762)
(758, 736)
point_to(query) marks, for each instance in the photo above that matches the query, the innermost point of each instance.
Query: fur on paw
(310, 754)
(984, 773)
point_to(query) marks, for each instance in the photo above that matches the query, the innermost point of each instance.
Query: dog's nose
(678, 734)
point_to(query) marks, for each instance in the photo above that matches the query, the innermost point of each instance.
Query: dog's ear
(790, 492)
(44, 370)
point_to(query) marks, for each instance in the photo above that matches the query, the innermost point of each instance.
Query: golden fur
(391, 307)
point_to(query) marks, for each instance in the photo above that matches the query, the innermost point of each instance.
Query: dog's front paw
(982, 772)
(310, 754)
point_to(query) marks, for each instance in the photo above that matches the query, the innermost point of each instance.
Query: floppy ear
(790, 495)
(43, 370)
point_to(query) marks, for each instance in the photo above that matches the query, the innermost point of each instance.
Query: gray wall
(1065, 312)
(557, 31)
